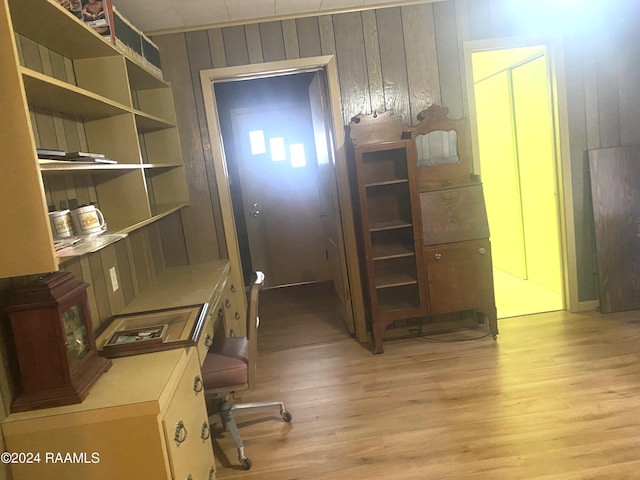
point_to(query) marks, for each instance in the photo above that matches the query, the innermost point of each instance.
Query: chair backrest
(257, 281)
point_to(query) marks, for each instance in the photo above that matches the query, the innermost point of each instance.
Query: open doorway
(276, 191)
(336, 217)
(516, 145)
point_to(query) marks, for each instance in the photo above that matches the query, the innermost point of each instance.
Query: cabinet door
(186, 426)
(460, 277)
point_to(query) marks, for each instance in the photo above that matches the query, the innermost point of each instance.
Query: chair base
(224, 413)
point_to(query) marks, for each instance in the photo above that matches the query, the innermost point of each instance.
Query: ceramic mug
(61, 224)
(88, 220)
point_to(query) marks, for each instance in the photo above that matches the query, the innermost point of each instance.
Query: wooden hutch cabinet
(391, 231)
(424, 233)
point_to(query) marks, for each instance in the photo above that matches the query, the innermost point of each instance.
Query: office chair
(230, 366)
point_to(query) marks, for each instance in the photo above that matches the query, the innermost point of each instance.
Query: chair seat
(234, 347)
(221, 371)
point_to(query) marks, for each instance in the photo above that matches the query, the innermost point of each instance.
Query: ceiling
(163, 16)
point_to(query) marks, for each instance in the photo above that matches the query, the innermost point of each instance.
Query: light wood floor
(557, 396)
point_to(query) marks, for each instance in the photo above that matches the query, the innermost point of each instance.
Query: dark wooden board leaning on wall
(615, 176)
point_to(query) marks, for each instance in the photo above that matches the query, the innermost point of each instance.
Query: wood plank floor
(555, 397)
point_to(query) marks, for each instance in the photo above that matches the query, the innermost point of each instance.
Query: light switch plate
(114, 278)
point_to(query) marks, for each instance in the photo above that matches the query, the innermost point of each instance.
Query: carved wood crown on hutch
(384, 126)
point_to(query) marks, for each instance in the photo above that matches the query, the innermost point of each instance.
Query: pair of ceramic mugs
(86, 220)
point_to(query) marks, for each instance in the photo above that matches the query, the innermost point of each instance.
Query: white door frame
(563, 153)
(355, 302)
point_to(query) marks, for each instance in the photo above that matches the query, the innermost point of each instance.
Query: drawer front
(453, 215)
(206, 337)
(233, 318)
(186, 427)
(460, 276)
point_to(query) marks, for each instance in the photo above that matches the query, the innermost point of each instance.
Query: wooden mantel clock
(54, 342)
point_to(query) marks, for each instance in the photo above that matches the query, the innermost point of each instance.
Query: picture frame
(147, 335)
(151, 331)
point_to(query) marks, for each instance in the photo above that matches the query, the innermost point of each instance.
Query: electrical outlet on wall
(114, 278)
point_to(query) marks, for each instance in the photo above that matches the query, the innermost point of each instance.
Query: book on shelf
(50, 154)
(80, 160)
(72, 155)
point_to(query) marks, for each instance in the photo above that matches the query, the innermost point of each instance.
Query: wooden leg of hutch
(378, 334)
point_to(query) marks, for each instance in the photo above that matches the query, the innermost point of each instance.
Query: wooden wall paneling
(58, 66)
(628, 82)
(46, 130)
(448, 59)
(109, 260)
(131, 261)
(216, 47)
(173, 243)
(272, 41)
(18, 41)
(374, 64)
(198, 218)
(608, 101)
(147, 253)
(309, 37)
(54, 184)
(85, 189)
(34, 128)
(327, 35)
(82, 136)
(290, 38)
(137, 259)
(92, 272)
(581, 187)
(125, 271)
(58, 125)
(254, 43)
(155, 249)
(72, 134)
(31, 54)
(200, 58)
(394, 62)
(235, 46)
(45, 59)
(71, 74)
(70, 189)
(461, 11)
(422, 58)
(352, 67)
(591, 101)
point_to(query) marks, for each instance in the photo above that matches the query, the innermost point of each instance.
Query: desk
(144, 418)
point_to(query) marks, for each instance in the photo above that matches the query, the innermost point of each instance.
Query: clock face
(76, 330)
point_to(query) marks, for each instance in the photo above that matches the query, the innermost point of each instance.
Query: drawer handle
(197, 384)
(227, 303)
(438, 256)
(205, 433)
(208, 340)
(212, 473)
(233, 289)
(237, 316)
(482, 250)
(181, 433)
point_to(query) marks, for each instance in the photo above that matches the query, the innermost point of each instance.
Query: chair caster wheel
(246, 463)
(286, 416)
